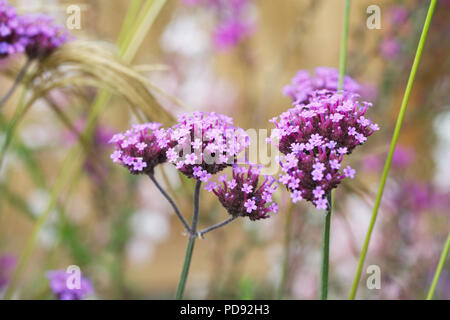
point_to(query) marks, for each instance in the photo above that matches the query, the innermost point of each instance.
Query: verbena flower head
(244, 195)
(63, 289)
(304, 84)
(314, 138)
(42, 35)
(141, 148)
(204, 143)
(11, 40)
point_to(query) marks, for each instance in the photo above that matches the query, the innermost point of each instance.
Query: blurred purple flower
(11, 38)
(230, 33)
(234, 25)
(58, 284)
(42, 35)
(7, 264)
(402, 157)
(398, 15)
(389, 48)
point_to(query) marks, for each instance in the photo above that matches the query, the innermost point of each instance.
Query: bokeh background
(122, 233)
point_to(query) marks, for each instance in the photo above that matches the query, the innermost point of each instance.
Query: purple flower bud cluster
(204, 144)
(59, 284)
(304, 84)
(243, 196)
(314, 137)
(141, 148)
(11, 39)
(34, 34)
(234, 25)
(43, 37)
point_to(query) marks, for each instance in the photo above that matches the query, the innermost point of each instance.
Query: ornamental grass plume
(205, 143)
(63, 289)
(11, 31)
(314, 137)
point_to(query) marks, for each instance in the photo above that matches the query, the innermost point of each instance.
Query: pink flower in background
(7, 264)
(398, 15)
(58, 281)
(234, 24)
(390, 48)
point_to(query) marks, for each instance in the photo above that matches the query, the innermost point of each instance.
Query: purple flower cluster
(233, 26)
(205, 143)
(304, 84)
(11, 39)
(58, 280)
(242, 196)
(141, 148)
(314, 137)
(34, 34)
(43, 37)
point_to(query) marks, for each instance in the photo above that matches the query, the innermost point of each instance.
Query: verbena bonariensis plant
(200, 145)
(314, 137)
(33, 34)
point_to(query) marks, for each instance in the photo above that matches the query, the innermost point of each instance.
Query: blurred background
(123, 234)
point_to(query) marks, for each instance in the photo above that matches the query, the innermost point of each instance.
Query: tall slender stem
(343, 53)
(191, 243)
(216, 226)
(17, 81)
(172, 203)
(394, 141)
(286, 254)
(326, 251)
(439, 268)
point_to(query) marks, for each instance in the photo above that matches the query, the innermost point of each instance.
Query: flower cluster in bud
(243, 196)
(314, 138)
(204, 144)
(304, 84)
(141, 148)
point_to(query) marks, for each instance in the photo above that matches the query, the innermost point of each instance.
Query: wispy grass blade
(72, 163)
(394, 141)
(439, 268)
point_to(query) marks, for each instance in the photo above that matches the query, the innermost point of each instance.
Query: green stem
(326, 251)
(439, 268)
(392, 148)
(191, 243)
(286, 254)
(343, 53)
